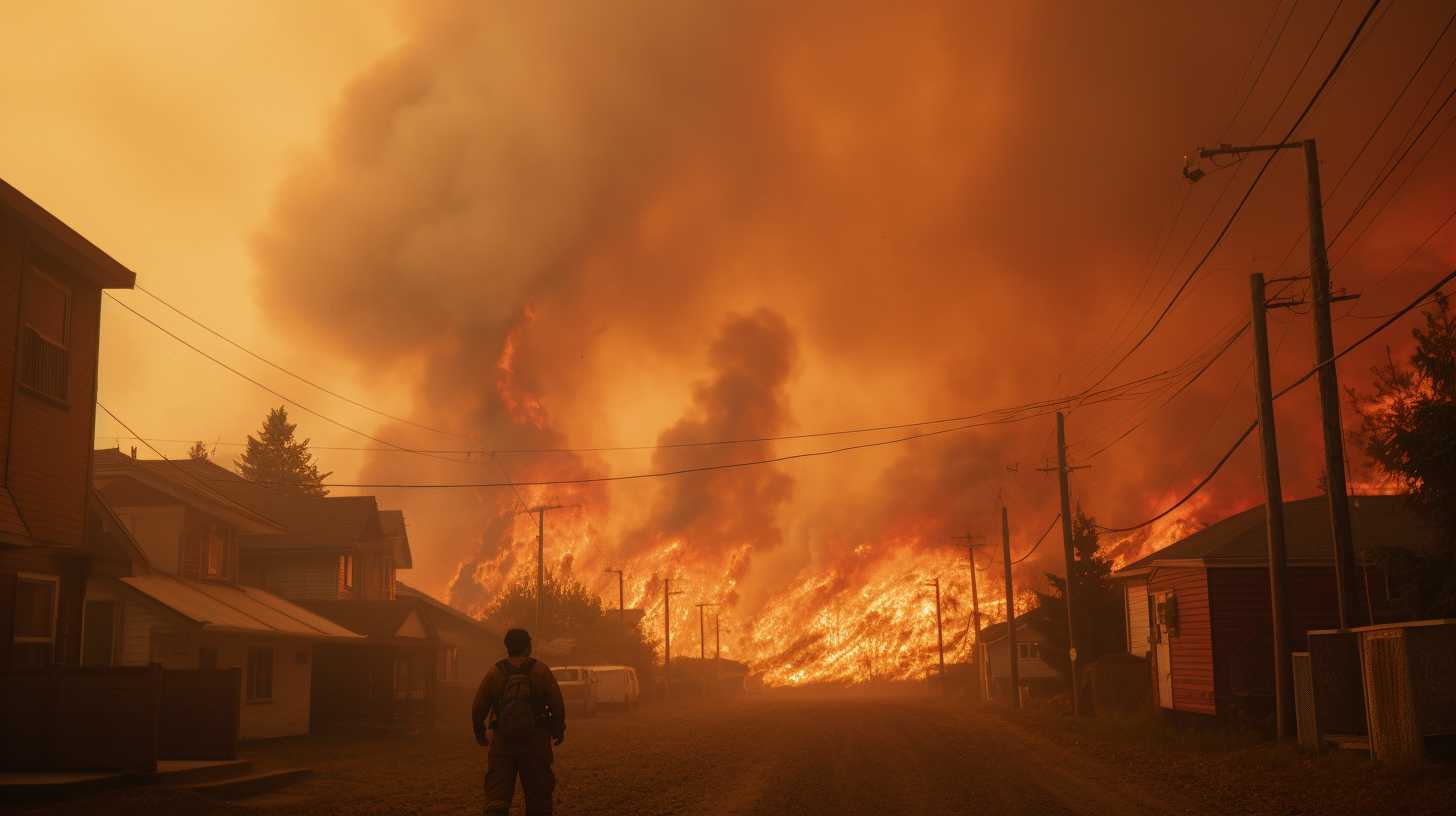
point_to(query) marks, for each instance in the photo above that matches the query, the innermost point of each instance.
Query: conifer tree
(273, 458)
(198, 452)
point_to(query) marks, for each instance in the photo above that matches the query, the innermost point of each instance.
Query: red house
(50, 321)
(1199, 609)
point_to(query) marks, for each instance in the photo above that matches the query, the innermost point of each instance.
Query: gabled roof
(436, 609)
(1242, 539)
(376, 620)
(996, 632)
(219, 607)
(55, 237)
(392, 527)
(188, 481)
(108, 537)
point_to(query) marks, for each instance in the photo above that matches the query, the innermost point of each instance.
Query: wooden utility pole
(621, 596)
(703, 630)
(1329, 385)
(717, 638)
(1274, 511)
(667, 594)
(1329, 391)
(1012, 658)
(971, 545)
(939, 634)
(540, 511)
(1070, 559)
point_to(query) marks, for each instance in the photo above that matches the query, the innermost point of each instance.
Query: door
(98, 634)
(1164, 658)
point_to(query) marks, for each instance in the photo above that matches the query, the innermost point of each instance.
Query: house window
(1028, 651)
(389, 581)
(44, 358)
(449, 664)
(98, 633)
(216, 553)
(260, 673)
(346, 570)
(35, 621)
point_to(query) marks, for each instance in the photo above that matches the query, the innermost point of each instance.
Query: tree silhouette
(274, 459)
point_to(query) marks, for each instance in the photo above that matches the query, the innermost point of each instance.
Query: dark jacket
(553, 715)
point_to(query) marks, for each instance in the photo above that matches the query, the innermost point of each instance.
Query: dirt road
(803, 754)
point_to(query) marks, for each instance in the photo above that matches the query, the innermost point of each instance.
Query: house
(1199, 608)
(166, 591)
(467, 648)
(1037, 676)
(51, 281)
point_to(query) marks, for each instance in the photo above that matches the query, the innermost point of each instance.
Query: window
(346, 570)
(389, 581)
(449, 664)
(35, 621)
(44, 359)
(98, 633)
(260, 673)
(1028, 651)
(216, 552)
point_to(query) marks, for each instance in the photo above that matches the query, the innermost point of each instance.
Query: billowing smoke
(585, 225)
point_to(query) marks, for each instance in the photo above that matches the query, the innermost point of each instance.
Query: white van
(617, 686)
(578, 689)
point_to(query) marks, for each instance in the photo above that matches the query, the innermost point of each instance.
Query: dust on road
(777, 754)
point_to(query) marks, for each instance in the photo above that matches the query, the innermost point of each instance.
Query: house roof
(392, 527)
(53, 235)
(108, 537)
(376, 620)
(1241, 539)
(437, 608)
(227, 608)
(996, 632)
(189, 481)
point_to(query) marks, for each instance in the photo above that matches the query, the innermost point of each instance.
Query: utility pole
(667, 594)
(971, 545)
(1274, 511)
(540, 511)
(621, 596)
(1329, 386)
(1069, 558)
(1013, 659)
(703, 630)
(717, 638)
(939, 634)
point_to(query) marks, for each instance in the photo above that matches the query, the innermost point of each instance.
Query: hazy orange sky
(159, 130)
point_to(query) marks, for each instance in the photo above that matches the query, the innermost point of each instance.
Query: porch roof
(228, 608)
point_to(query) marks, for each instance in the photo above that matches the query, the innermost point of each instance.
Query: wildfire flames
(652, 224)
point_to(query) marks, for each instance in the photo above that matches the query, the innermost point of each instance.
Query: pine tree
(274, 459)
(198, 452)
(1099, 602)
(1408, 430)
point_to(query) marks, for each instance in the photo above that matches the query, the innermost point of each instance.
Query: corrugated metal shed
(223, 607)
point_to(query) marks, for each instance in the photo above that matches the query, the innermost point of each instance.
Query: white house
(164, 590)
(1036, 675)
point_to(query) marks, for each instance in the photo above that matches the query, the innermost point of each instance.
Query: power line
(1039, 540)
(1345, 52)
(1273, 15)
(1283, 391)
(293, 374)
(1305, 65)
(274, 391)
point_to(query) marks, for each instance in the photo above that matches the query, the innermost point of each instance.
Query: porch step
(191, 772)
(45, 787)
(252, 784)
(1348, 742)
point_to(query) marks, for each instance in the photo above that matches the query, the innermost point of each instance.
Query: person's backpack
(517, 705)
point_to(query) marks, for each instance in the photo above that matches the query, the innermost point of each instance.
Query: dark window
(260, 673)
(207, 658)
(1028, 651)
(346, 569)
(98, 641)
(44, 359)
(35, 622)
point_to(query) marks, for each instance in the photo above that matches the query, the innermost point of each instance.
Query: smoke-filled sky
(547, 225)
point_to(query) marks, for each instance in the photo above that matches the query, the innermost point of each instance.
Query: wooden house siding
(1242, 623)
(297, 577)
(1135, 613)
(1191, 650)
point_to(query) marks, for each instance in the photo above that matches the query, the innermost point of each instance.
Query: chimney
(133, 453)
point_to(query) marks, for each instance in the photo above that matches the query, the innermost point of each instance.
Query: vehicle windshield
(567, 675)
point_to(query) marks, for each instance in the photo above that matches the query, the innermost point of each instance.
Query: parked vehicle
(578, 689)
(617, 686)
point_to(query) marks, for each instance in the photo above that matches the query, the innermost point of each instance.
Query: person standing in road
(522, 702)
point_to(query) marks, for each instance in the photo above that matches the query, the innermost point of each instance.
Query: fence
(65, 719)
(200, 714)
